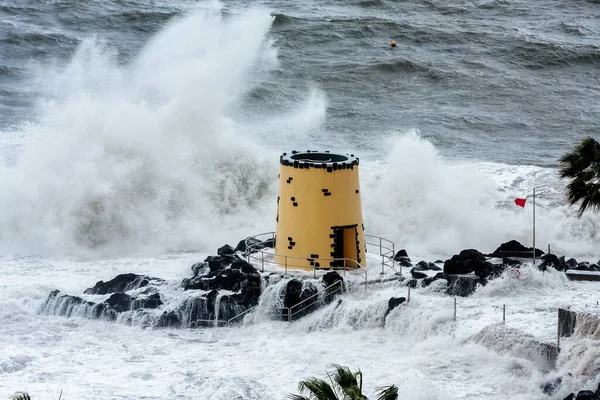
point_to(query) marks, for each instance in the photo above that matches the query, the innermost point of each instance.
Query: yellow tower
(319, 212)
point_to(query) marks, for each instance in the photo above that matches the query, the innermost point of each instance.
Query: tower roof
(318, 159)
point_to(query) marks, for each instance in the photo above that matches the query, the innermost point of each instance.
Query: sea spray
(149, 156)
(429, 204)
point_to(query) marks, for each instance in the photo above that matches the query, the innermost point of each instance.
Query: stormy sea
(137, 137)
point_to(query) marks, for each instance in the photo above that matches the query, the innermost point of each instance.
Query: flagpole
(534, 227)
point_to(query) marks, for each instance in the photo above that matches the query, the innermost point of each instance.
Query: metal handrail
(291, 313)
(230, 320)
(386, 253)
(219, 322)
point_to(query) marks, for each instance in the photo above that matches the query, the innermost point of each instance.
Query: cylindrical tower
(319, 212)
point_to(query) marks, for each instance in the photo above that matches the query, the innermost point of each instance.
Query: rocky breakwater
(463, 272)
(133, 294)
(219, 292)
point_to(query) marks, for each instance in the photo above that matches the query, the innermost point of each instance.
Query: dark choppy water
(157, 125)
(507, 81)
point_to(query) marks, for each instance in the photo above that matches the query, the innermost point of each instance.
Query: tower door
(345, 246)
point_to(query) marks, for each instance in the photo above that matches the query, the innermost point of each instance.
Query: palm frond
(347, 382)
(297, 397)
(319, 389)
(582, 168)
(20, 396)
(388, 393)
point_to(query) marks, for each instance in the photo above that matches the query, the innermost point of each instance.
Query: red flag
(520, 201)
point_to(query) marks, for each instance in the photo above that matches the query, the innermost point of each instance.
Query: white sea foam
(148, 157)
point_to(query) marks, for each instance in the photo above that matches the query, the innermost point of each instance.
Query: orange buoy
(393, 44)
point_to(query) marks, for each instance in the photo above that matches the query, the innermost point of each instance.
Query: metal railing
(257, 251)
(386, 252)
(329, 291)
(220, 322)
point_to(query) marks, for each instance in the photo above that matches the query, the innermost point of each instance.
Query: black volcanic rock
(119, 302)
(331, 277)
(401, 254)
(587, 395)
(571, 263)
(121, 283)
(67, 305)
(405, 262)
(270, 243)
(295, 293)
(395, 302)
(466, 262)
(511, 262)
(551, 387)
(200, 268)
(417, 274)
(462, 287)
(421, 266)
(253, 242)
(412, 283)
(515, 249)
(225, 249)
(169, 319)
(427, 281)
(152, 301)
(551, 260)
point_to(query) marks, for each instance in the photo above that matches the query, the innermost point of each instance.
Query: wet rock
(551, 387)
(66, 305)
(490, 271)
(515, 249)
(427, 281)
(587, 395)
(254, 243)
(511, 262)
(421, 266)
(412, 283)
(433, 267)
(584, 266)
(466, 262)
(462, 287)
(395, 302)
(226, 249)
(405, 262)
(551, 260)
(441, 275)
(401, 254)
(119, 302)
(296, 292)
(216, 263)
(331, 291)
(418, 274)
(248, 268)
(200, 268)
(331, 277)
(152, 301)
(121, 283)
(169, 319)
(269, 243)
(571, 263)
(228, 279)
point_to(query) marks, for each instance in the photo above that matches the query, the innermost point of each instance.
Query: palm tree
(20, 396)
(342, 384)
(582, 168)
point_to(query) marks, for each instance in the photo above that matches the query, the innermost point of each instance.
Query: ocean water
(139, 136)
